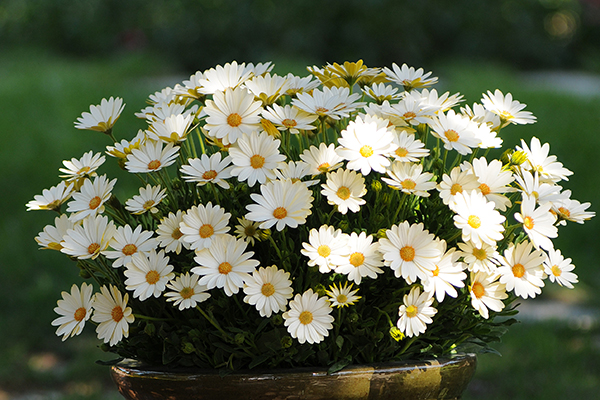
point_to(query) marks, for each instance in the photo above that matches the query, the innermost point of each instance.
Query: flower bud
(286, 342)
(396, 334)
(187, 348)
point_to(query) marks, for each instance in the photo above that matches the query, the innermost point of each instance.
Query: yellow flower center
(95, 202)
(518, 270)
(93, 248)
(148, 204)
(528, 222)
(209, 175)
(451, 135)
(324, 250)
(478, 290)
(357, 259)
(257, 161)
(408, 184)
(250, 230)
(206, 231)
(116, 314)
(341, 298)
(280, 213)
(152, 277)
(474, 221)
(79, 314)
(409, 115)
(83, 171)
(480, 254)
(343, 193)
(485, 189)
(324, 167)
(407, 253)
(176, 234)
(186, 292)
(154, 164)
(267, 289)
(366, 151)
(234, 120)
(225, 268)
(129, 249)
(401, 152)
(305, 317)
(436, 271)
(322, 110)
(556, 271)
(564, 212)
(456, 188)
(411, 311)
(289, 123)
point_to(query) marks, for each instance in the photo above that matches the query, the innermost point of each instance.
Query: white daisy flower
(456, 131)
(208, 169)
(268, 289)
(102, 117)
(529, 184)
(509, 110)
(322, 159)
(457, 182)
(247, 230)
(127, 242)
(363, 259)
(415, 312)
(480, 115)
(148, 274)
(254, 158)
(409, 149)
(88, 239)
(538, 223)
(289, 117)
(447, 275)
(441, 103)
(123, 148)
(147, 200)
(172, 129)
(296, 171)
(410, 179)
(381, 92)
(568, 209)
(224, 264)
(186, 292)
(366, 144)
(326, 248)
(522, 269)
(479, 258)
(202, 224)
(410, 110)
(53, 198)
(150, 157)
(220, 78)
(409, 77)
(410, 251)
(90, 199)
(86, 166)
(486, 293)
(168, 233)
(52, 235)
(494, 181)
(191, 87)
(488, 138)
(539, 161)
(345, 189)
(477, 218)
(330, 102)
(74, 309)
(232, 114)
(298, 84)
(308, 318)
(559, 269)
(267, 88)
(112, 315)
(342, 296)
(281, 203)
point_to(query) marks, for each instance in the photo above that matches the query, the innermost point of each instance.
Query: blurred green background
(58, 57)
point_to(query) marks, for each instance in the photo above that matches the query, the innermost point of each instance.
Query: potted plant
(345, 220)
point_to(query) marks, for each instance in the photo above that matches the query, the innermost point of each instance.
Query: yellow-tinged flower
(102, 117)
(342, 296)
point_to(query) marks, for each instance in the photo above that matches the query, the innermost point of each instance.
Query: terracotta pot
(423, 380)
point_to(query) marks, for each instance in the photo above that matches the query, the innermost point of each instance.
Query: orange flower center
(176, 234)
(456, 188)
(407, 253)
(409, 115)
(225, 268)
(436, 271)
(186, 292)
(408, 184)
(451, 135)
(93, 248)
(485, 189)
(305, 317)
(206, 231)
(556, 271)
(478, 290)
(564, 212)
(280, 213)
(357, 259)
(257, 161)
(79, 314)
(129, 249)
(518, 270)
(528, 222)
(267, 289)
(95, 202)
(324, 167)
(343, 193)
(289, 123)
(117, 314)
(234, 120)
(152, 277)
(209, 175)
(148, 204)
(154, 164)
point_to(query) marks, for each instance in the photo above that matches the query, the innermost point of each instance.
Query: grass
(41, 95)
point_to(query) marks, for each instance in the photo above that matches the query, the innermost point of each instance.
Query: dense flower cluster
(346, 216)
